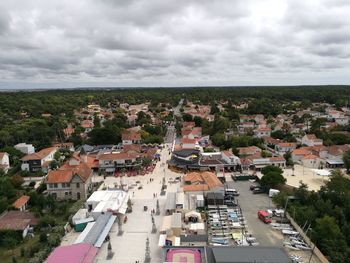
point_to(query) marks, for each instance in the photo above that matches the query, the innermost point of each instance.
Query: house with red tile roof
(201, 182)
(298, 154)
(187, 143)
(251, 150)
(131, 138)
(38, 161)
(19, 221)
(21, 203)
(284, 147)
(262, 132)
(311, 161)
(111, 162)
(71, 181)
(311, 140)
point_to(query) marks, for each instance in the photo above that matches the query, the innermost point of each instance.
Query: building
(71, 181)
(230, 158)
(38, 161)
(260, 163)
(262, 132)
(17, 221)
(4, 161)
(284, 147)
(76, 253)
(245, 151)
(311, 161)
(298, 154)
(21, 203)
(111, 162)
(311, 140)
(187, 143)
(131, 138)
(247, 254)
(201, 182)
(25, 148)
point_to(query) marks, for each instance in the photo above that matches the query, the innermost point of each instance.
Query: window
(67, 184)
(65, 193)
(78, 185)
(54, 185)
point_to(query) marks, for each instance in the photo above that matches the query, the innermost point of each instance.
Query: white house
(230, 158)
(262, 132)
(187, 143)
(311, 161)
(284, 147)
(38, 161)
(311, 140)
(4, 161)
(25, 148)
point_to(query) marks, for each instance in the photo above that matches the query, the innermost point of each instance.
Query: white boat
(290, 246)
(289, 232)
(302, 246)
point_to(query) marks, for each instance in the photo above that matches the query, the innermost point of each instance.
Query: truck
(264, 216)
(273, 192)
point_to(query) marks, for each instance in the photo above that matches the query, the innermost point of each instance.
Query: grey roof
(249, 254)
(170, 201)
(95, 232)
(194, 238)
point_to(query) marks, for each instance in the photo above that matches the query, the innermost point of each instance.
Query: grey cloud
(163, 42)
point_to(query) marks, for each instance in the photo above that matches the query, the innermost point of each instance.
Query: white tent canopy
(320, 172)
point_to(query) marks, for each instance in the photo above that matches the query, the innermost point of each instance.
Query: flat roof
(249, 254)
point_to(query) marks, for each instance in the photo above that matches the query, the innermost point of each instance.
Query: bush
(43, 238)
(54, 239)
(46, 221)
(23, 252)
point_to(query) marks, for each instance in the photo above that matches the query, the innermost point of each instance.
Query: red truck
(264, 216)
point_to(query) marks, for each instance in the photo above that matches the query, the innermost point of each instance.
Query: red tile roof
(300, 151)
(17, 220)
(132, 136)
(21, 201)
(39, 155)
(188, 141)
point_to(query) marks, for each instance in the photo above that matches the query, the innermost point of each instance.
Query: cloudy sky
(75, 43)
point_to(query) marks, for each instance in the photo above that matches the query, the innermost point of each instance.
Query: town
(181, 178)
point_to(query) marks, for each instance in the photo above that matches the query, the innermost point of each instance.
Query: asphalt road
(170, 134)
(250, 204)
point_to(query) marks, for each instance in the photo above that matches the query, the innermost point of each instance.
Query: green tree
(346, 160)
(272, 179)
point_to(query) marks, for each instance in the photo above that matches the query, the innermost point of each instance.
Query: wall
(317, 252)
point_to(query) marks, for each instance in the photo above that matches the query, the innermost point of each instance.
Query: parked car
(251, 187)
(258, 190)
(231, 192)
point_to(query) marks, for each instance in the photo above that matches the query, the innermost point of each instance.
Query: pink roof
(77, 253)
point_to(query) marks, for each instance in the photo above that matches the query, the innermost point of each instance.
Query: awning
(321, 172)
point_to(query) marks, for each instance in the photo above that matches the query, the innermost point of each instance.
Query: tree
(271, 168)
(272, 176)
(17, 181)
(346, 160)
(198, 121)
(187, 117)
(272, 179)
(104, 136)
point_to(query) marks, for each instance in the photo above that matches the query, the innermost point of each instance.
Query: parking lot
(250, 204)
